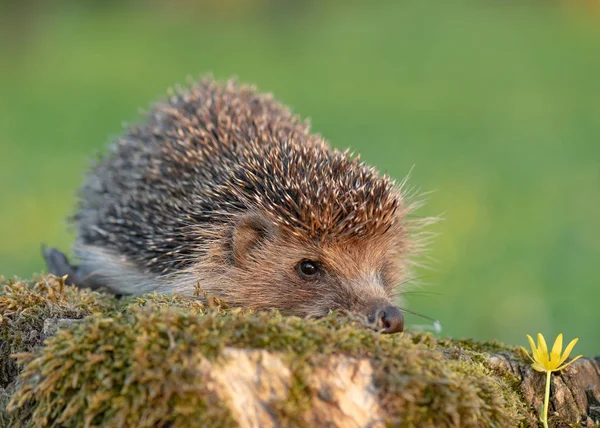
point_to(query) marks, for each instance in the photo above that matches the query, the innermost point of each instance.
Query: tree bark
(574, 391)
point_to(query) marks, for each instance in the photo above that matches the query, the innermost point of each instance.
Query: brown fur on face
(263, 269)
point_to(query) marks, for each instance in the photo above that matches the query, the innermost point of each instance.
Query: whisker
(398, 289)
(417, 293)
(418, 314)
(413, 278)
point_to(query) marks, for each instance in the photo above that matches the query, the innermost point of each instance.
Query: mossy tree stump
(71, 357)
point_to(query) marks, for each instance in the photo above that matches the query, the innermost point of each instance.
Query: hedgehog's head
(275, 268)
(333, 238)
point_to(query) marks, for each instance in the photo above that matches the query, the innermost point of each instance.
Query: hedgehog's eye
(308, 268)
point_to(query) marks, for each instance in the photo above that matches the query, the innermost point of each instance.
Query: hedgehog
(224, 188)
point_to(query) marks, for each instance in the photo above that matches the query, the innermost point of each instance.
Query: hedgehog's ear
(250, 231)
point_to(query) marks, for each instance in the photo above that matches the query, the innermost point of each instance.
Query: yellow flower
(548, 363)
(542, 361)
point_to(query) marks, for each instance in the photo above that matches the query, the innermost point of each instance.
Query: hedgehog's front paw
(58, 264)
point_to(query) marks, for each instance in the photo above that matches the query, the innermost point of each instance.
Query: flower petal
(534, 350)
(543, 350)
(568, 350)
(569, 363)
(556, 350)
(527, 353)
(538, 367)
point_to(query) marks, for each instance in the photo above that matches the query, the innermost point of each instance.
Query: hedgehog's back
(161, 175)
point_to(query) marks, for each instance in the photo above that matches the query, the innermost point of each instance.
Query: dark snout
(387, 318)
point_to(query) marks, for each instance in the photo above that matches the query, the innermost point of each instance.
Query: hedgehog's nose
(387, 317)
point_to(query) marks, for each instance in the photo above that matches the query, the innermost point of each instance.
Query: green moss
(475, 355)
(291, 410)
(6, 419)
(143, 364)
(24, 306)
(139, 369)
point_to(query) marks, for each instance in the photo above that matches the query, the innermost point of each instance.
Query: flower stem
(546, 400)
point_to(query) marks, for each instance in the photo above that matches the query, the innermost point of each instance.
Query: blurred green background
(496, 104)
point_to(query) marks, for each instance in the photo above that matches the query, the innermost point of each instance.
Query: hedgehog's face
(272, 268)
